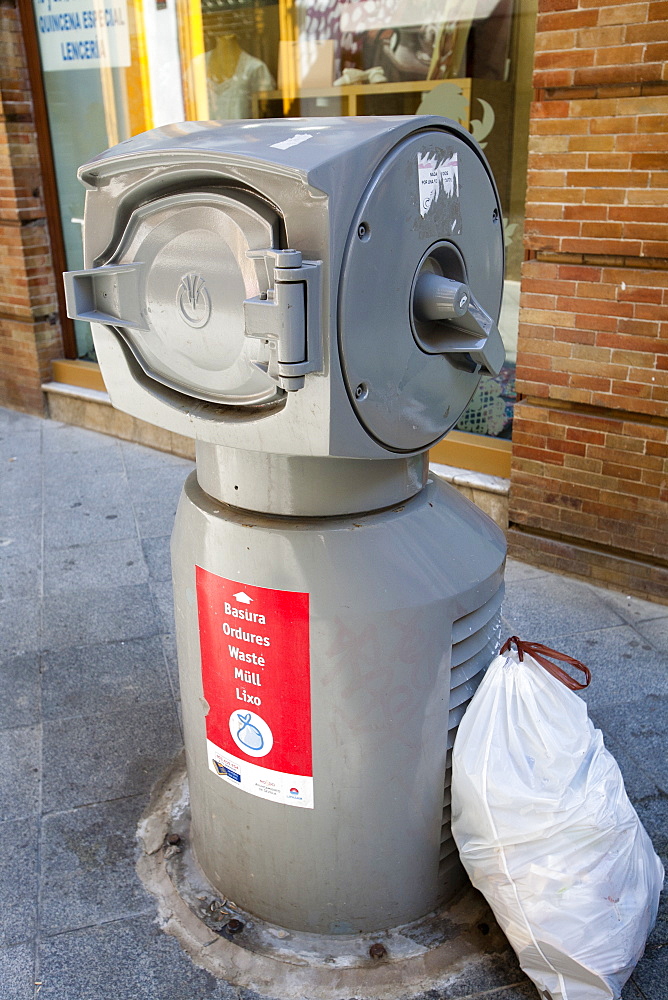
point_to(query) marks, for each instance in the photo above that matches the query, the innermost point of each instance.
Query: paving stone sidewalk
(89, 717)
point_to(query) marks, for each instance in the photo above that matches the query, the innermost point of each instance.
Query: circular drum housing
(430, 206)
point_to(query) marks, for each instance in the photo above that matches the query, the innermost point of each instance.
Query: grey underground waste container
(314, 301)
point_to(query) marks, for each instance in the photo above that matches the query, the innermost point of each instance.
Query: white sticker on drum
(294, 140)
(438, 179)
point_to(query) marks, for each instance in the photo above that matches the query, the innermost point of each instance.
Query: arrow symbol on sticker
(242, 598)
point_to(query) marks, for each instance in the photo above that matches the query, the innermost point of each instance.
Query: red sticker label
(256, 677)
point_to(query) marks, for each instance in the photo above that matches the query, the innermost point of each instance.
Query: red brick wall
(29, 332)
(590, 444)
(596, 335)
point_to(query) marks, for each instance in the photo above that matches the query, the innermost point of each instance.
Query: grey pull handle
(467, 328)
(109, 294)
(439, 298)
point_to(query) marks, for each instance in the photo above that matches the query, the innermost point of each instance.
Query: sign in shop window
(82, 34)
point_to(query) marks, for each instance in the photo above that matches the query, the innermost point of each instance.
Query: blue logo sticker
(227, 771)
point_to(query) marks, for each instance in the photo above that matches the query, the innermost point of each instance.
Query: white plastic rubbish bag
(546, 832)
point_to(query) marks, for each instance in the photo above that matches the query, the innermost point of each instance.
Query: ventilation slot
(475, 640)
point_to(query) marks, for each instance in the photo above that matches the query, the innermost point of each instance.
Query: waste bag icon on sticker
(248, 734)
(251, 733)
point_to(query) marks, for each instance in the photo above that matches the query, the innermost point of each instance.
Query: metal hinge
(286, 318)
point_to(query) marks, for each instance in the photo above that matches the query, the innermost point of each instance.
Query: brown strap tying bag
(540, 654)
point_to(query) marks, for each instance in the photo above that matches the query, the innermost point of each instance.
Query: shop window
(110, 70)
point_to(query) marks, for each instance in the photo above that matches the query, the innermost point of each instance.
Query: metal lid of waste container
(174, 288)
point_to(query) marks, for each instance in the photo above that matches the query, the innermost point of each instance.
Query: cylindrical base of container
(324, 666)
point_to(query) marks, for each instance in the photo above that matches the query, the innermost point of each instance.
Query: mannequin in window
(233, 76)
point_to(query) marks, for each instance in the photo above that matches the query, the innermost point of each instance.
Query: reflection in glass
(233, 76)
